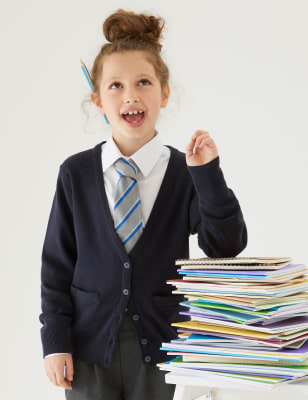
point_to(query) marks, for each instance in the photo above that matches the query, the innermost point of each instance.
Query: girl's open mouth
(134, 120)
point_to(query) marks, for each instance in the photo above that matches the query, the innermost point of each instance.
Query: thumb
(69, 368)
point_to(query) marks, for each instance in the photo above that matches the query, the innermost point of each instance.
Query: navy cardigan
(87, 278)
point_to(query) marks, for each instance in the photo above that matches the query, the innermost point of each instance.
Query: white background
(238, 70)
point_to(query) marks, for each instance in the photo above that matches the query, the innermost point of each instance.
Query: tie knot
(126, 167)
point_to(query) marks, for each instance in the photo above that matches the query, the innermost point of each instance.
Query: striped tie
(127, 209)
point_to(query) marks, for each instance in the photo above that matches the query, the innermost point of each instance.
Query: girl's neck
(129, 146)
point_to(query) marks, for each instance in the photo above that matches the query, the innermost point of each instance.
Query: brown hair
(128, 31)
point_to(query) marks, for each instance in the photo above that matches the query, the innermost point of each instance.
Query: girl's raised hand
(205, 149)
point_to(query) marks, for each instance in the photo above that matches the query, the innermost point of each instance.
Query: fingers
(62, 381)
(190, 147)
(207, 141)
(55, 370)
(69, 368)
(201, 138)
(198, 139)
(57, 378)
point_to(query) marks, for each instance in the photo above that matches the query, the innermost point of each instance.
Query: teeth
(133, 112)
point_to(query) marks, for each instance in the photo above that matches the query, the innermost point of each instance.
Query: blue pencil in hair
(90, 80)
(87, 75)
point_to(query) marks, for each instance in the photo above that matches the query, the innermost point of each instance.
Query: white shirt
(152, 160)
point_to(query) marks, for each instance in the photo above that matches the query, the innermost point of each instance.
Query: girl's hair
(129, 31)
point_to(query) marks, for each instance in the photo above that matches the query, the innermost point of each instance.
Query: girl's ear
(165, 95)
(96, 101)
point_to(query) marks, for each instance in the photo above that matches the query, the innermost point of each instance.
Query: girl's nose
(131, 96)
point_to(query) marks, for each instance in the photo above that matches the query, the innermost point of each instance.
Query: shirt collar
(145, 158)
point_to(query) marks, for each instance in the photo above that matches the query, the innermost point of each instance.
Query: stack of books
(248, 320)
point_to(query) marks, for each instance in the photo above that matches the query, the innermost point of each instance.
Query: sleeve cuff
(56, 340)
(209, 182)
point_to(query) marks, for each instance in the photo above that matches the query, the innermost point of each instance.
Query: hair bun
(127, 25)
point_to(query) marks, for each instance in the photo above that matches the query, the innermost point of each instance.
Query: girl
(122, 213)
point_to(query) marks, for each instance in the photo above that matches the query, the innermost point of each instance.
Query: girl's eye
(141, 80)
(115, 83)
(144, 80)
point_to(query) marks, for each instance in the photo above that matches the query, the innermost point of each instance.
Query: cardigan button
(135, 317)
(125, 291)
(144, 341)
(147, 359)
(126, 265)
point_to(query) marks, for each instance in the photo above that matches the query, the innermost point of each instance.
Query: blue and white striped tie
(127, 208)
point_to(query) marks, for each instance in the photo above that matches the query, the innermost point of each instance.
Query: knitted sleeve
(58, 258)
(215, 213)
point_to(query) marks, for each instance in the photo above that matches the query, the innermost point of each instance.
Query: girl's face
(129, 81)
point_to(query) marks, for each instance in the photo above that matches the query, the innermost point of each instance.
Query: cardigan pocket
(87, 316)
(84, 296)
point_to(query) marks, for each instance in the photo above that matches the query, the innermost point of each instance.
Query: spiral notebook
(241, 263)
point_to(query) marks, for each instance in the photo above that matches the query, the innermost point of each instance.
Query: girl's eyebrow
(142, 74)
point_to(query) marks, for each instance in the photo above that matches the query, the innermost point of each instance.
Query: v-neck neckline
(98, 169)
